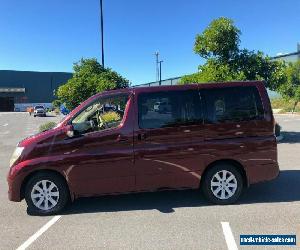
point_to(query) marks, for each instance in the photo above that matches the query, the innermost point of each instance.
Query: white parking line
(231, 245)
(4, 125)
(42, 230)
(4, 133)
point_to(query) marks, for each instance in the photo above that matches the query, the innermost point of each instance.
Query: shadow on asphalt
(290, 137)
(284, 189)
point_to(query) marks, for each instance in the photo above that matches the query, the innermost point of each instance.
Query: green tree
(225, 61)
(213, 71)
(89, 78)
(56, 103)
(257, 66)
(220, 39)
(291, 88)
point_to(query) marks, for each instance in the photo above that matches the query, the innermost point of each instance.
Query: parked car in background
(218, 137)
(39, 110)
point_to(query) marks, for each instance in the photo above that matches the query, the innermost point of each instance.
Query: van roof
(179, 87)
(199, 85)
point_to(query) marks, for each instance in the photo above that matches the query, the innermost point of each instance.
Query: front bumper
(14, 189)
(39, 113)
(14, 181)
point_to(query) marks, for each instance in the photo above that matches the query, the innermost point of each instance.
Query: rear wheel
(46, 194)
(223, 184)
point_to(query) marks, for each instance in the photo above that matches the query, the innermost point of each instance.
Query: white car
(39, 111)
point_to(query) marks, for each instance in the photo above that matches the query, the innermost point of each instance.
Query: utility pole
(160, 72)
(156, 64)
(102, 36)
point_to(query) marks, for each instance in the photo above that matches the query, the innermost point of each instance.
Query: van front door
(100, 154)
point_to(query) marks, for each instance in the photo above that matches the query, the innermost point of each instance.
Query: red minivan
(218, 137)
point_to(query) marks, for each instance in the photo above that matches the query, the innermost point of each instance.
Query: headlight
(15, 156)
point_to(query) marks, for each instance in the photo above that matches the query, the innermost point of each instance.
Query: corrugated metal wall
(38, 86)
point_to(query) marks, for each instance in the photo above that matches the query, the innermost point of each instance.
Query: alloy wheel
(223, 185)
(45, 195)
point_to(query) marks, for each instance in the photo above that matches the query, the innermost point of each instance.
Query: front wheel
(46, 194)
(223, 184)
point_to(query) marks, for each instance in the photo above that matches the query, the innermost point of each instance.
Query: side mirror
(70, 131)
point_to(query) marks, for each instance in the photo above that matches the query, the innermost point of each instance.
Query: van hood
(42, 137)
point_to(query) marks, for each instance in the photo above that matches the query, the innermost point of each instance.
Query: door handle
(142, 137)
(121, 138)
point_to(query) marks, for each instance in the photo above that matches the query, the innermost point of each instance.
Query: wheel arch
(232, 162)
(33, 173)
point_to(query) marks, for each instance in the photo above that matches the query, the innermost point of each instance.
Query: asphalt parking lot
(164, 220)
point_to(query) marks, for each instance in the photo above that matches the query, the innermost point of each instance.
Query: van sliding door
(169, 131)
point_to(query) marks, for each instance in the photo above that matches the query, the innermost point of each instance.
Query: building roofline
(31, 71)
(285, 55)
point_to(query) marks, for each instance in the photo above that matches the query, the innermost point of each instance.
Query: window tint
(232, 104)
(169, 109)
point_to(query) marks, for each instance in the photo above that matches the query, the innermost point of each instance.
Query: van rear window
(232, 104)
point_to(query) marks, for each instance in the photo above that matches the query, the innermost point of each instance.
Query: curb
(283, 114)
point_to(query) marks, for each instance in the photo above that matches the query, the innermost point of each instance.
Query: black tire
(62, 188)
(209, 176)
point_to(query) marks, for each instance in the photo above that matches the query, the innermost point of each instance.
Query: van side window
(169, 109)
(104, 113)
(233, 104)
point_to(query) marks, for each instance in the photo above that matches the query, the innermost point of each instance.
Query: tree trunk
(295, 104)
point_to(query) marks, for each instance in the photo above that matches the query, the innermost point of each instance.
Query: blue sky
(51, 35)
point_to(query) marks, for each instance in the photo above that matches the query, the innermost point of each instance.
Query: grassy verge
(47, 126)
(286, 106)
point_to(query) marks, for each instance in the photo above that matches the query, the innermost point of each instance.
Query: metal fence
(169, 81)
(175, 80)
